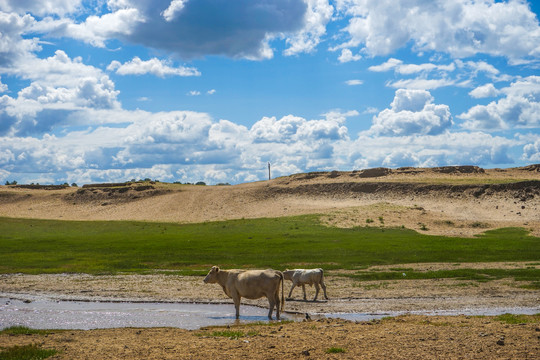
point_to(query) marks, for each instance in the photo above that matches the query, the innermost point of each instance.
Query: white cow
(306, 277)
(251, 284)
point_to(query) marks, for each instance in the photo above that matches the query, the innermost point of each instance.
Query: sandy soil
(461, 201)
(409, 337)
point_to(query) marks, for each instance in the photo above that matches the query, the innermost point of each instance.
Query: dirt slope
(463, 200)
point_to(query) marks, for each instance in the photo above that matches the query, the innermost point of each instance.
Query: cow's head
(212, 275)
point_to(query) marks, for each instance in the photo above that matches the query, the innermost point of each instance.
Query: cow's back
(253, 284)
(308, 276)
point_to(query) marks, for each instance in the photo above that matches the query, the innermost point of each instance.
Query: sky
(214, 90)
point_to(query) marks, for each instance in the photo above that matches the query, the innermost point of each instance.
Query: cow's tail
(282, 279)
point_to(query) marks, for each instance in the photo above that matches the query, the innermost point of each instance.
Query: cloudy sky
(213, 90)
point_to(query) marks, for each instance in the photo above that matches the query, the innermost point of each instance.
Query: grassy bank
(45, 246)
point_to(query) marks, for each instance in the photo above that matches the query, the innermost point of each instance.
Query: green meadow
(109, 247)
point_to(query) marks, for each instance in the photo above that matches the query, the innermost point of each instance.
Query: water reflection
(47, 314)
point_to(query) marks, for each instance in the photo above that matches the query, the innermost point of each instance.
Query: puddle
(49, 314)
(52, 314)
(465, 311)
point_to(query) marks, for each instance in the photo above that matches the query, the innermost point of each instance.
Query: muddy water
(50, 314)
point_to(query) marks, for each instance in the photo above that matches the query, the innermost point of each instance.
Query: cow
(251, 284)
(306, 277)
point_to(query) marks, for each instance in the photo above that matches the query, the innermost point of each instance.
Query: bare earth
(461, 201)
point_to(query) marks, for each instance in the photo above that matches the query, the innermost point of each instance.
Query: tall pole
(269, 176)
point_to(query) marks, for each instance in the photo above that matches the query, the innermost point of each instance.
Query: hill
(452, 200)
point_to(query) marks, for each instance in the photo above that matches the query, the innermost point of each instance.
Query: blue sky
(212, 90)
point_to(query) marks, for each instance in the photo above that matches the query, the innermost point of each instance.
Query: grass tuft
(335, 350)
(23, 330)
(26, 352)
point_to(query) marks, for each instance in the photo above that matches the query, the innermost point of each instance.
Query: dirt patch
(403, 337)
(407, 337)
(107, 194)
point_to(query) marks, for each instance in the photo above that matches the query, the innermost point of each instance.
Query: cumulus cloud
(459, 28)
(41, 8)
(153, 66)
(519, 108)
(13, 48)
(317, 16)
(290, 129)
(58, 86)
(347, 56)
(191, 146)
(174, 8)
(412, 113)
(531, 152)
(484, 91)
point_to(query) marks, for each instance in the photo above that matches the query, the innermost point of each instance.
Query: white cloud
(484, 91)
(389, 64)
(174, 8)
(347, 56)
(459, 28)
(13, 47)
(211, 92)
(412, 112)
(407, 69)
(41, 8)
(354, 82)
(3, 87)
(97, 30)
(193, 93)
(531, 152)
(190, 146)
(153, 66)
(58, 86)
(318, 14)
(519, 109)
(423, 84)
(291, 129)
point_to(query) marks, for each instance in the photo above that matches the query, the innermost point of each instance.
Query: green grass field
(104, 247)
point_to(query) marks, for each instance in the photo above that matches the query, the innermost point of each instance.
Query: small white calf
(306, 277)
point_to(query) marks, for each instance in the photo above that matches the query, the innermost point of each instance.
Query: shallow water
(49, 314)
(86, 315)
(466, 311)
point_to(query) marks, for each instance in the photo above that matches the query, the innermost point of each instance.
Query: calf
(251, 284)
(306, 277)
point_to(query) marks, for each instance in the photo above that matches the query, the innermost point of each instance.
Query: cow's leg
(278, 303)
(304, 288)
(323, 285)
(292, 287)
(316, 292)
(236, 298)
(271, 304)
